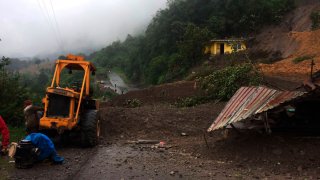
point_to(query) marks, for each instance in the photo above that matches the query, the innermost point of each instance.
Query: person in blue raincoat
(46, 147)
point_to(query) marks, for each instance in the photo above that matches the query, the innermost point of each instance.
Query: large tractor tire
(90, 128)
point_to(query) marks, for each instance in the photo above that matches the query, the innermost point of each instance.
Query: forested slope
(174, 40)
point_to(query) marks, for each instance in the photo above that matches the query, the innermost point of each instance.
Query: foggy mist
(51, 27)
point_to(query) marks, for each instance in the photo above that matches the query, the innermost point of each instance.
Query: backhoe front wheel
(90, 128)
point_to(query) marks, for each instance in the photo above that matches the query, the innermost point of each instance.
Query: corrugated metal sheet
(249, 101)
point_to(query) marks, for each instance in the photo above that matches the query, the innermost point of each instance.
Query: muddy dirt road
(186, 155)
(191, 160)
(249, 155)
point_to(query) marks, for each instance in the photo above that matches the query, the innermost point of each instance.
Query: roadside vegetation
(17, 87)
(220, 85)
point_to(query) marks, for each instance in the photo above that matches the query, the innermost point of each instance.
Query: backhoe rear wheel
(90, 128)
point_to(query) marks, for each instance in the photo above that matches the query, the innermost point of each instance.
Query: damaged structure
(263, 107)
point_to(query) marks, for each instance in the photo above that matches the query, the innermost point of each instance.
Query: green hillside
(174, 40)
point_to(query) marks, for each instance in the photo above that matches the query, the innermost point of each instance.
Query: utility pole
(312, 64)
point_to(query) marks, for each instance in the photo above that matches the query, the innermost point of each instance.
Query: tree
(43, 78)
(157, 70)
(192, 46)
(37, 61)
(12, 95)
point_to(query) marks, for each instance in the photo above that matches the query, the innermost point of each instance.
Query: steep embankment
(308, 45)
(293, 38)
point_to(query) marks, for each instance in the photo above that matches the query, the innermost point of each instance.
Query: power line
(46, 15)
(51, 23)
(56, 22)
(43, 13)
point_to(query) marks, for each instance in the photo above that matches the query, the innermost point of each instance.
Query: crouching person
(5, 137)
(34, 148)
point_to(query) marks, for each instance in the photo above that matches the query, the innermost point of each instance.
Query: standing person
(5, 136)
(31, 116)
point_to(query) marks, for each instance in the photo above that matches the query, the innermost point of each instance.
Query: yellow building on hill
(225, 46)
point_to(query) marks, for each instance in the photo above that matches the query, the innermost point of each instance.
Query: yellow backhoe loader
(71, 107)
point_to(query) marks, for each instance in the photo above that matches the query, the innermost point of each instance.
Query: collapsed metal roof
(250, 101)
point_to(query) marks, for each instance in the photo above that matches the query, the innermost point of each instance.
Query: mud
(248, 155)
(189, 153)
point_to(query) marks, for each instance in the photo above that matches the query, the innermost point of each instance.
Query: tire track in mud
(91, 154)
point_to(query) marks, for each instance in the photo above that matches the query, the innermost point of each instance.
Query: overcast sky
(30, 28)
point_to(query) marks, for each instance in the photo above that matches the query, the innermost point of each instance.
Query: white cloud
(83, 24)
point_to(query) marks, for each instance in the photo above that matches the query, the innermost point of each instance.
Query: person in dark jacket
(31, 116)
(5, 136)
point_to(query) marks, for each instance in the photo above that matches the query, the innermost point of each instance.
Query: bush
(189, 102)
(222, 84)
(133, 103)
(300, 59)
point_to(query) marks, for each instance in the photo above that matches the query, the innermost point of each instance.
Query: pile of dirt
(168, 93)
(158, 121)
(156, 116)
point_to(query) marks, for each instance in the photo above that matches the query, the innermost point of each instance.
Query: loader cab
(71, 79)
(77, 71)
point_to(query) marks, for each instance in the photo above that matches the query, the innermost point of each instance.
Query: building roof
(250, 101)
(228, 40)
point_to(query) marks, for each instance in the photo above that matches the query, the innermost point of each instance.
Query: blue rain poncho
(45, 146)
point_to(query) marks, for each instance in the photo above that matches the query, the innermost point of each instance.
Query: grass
(301, 58)
(16, 134)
